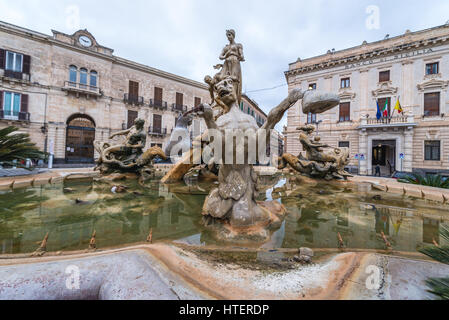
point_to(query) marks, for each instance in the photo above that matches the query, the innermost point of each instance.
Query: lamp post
(317, 124)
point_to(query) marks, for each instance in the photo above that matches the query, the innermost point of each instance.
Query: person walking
(377, 174)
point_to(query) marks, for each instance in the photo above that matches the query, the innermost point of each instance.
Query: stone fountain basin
(172, 272)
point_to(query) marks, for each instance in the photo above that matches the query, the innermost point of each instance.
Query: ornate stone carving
(128, 156)
(321, 160)
(385, 88)
(433, 84)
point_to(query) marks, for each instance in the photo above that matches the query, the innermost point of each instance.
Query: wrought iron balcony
(158, 104)
(132, 99)
(397, 121)
(80, 88)
(16, 75)
(178, 108)
(152, 131)
(14, 115)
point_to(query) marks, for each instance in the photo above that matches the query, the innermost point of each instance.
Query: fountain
(232, 205)
(128, 157)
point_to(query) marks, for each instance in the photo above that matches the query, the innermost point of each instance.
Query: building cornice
(401, 44)
(37, 36)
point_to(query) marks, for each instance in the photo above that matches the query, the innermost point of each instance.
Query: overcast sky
(185, 37)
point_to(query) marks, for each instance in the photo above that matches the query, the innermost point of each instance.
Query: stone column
(363, 149)
(408, 150)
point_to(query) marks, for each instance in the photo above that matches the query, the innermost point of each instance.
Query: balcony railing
(81, 88)
(398, 121)
(16, 75)
(14, 115)
(132, 99)
(178, 108)
(158, 104)
(152, 131)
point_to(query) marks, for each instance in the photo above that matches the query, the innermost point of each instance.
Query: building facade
(67, 91)
(412, 68)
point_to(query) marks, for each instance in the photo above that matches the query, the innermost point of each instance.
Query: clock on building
(85, 41)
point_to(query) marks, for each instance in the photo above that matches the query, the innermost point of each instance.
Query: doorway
(384, 155)
(80, 139)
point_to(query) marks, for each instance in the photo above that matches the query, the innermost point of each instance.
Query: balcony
(178, 108)
(388, 122)
(20, 76)
(132, 99)
(159, 132)
(79, 88)
(14, 116)
(158, 104)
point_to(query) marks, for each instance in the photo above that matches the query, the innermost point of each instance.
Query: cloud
(185, 37)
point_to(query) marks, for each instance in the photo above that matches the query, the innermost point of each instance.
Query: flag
(398, 107)
(379, 114)
(385, 109)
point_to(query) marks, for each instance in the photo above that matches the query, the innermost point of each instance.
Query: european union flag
(379, 113)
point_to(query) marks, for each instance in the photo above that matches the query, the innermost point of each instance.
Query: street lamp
(317, 124)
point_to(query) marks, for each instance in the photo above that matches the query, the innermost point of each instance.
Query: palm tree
(439, 286)
(436, 181)
(17, 146)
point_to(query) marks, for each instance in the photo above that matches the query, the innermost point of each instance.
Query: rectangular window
(345, 112)
(157, 123)
(197, 102)
(343, 144)
(132, 116)
(133, 90)
(432, 150)
(158, 94)
(345, 83)
(432, 104)
(384, 76)
(11, 105)
(432, 68)
(311, 118)
(14, 61)
(312, 86)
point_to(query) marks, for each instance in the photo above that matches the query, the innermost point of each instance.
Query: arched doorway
(80, 139)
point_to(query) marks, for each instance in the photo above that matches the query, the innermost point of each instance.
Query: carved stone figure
(234, 200)
(128, 156)
(321, 161)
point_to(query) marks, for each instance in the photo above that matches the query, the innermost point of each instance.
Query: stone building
(412, 68)
(68, 90)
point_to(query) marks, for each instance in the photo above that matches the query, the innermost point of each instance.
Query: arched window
(83, 76)
(93, 79)
(73, 74)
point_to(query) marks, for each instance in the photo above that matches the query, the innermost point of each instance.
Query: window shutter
(197, 102)
(24, 103)
(1, 100)
(158, 93)
(132, 116)
(2, 59)
(179, 99)
(26, 64)
(432, 104)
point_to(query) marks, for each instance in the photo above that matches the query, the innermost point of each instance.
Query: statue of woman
(232, 55)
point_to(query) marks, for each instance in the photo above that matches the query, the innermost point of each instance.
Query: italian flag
(385, 109)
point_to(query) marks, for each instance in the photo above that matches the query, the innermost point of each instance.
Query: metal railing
(16, 75)
(178, 108)
(133, 99)
(157, 131)
(158, 104)
(80, 87)
(14, 115)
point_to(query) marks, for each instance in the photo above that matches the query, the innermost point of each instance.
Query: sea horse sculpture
(128, 156)
(321, 161)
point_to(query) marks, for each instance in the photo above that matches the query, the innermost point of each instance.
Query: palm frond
(439, 287)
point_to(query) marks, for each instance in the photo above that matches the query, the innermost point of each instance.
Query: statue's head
(139, 123)
(184, 121)
(230, 34)
(226, 91)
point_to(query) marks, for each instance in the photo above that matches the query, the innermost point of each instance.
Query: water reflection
(317, 214)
